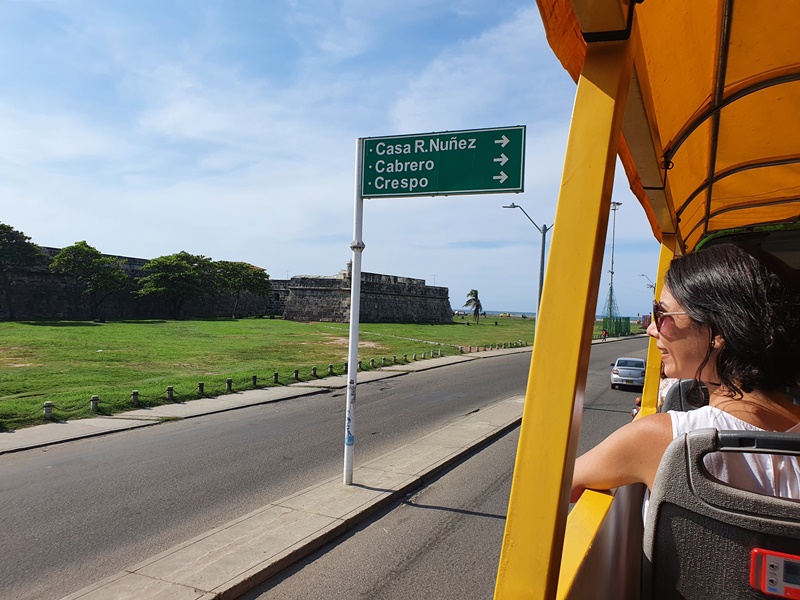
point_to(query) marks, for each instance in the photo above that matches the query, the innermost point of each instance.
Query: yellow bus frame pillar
(534, 533)
(653, 376)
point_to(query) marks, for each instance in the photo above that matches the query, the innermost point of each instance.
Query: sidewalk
(232, 559)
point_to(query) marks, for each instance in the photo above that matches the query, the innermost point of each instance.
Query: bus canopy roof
(711, 134)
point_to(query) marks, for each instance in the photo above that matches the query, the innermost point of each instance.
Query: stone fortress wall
(384, 299)
(37, 294)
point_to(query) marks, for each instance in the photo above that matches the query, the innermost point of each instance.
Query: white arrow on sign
(502, 160)
(502, 141)
(502, 177)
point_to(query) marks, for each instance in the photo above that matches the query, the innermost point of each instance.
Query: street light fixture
(651, 285)
(543, 230)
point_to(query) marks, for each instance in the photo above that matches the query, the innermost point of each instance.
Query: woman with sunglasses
(728, 316)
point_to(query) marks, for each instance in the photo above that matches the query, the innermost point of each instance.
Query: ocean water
(497, 313)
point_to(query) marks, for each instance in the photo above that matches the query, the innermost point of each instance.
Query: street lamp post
(650, 285)
(543, 230)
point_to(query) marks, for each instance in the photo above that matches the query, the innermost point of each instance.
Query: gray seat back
(686, 394)
(699, 532)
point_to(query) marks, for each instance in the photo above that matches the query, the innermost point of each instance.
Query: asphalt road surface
(444, 541)
(75, 513)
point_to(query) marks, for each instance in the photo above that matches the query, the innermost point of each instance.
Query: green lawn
(66, 362)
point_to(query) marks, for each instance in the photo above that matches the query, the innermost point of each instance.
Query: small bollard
(48, 410)
(423, 356)
(135, 397)
(383, 361)
(275, 377)
(345, 368)
(170, 392)
(415, 356)
(470, 349)
(296, 375)
(405, 357)
(330, 369)
(394, 359)
(95, 400)
(359, 365)
(229, 385)
(440, 353)
(201, 388)
(254, 380)
(313, 371)
(372, 363)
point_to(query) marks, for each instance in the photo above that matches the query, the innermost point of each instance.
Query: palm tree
(474, 303)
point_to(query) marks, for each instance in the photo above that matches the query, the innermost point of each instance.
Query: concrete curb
(231, 559)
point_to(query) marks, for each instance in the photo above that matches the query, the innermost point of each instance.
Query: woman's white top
(766, 474)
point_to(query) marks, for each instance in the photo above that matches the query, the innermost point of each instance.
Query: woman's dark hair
(751, 299)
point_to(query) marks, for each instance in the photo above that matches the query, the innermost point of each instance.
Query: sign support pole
(357, 247)
(429, 164)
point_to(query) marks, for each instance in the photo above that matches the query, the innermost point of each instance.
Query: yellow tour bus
(700, 100)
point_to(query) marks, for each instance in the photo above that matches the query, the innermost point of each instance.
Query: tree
(238, 277)
(16, 251)
(178, 277)
(99, 275)
(474, 303)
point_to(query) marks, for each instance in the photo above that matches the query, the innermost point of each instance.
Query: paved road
(444, 541)
(78, 512)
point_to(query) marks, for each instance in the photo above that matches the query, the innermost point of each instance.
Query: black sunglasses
(659, 313)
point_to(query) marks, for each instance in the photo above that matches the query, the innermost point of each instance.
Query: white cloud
(492, 74)
(41, 138)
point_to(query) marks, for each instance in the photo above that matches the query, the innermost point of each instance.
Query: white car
(627, 371)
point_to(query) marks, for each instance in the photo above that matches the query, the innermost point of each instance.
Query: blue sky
(227, 128)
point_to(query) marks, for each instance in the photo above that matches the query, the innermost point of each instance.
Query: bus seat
(685, 395)
(699, 532)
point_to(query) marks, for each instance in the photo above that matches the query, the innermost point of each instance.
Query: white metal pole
(357, 246)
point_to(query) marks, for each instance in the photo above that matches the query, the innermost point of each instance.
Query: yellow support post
(532, 544)
(653, 375)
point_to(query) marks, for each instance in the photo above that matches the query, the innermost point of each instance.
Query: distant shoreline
(511, 314)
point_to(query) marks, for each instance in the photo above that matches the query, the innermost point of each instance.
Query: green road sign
(478, 161)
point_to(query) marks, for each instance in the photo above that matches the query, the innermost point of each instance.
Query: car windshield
(636, 364)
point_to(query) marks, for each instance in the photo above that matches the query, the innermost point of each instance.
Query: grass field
(66, 362)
